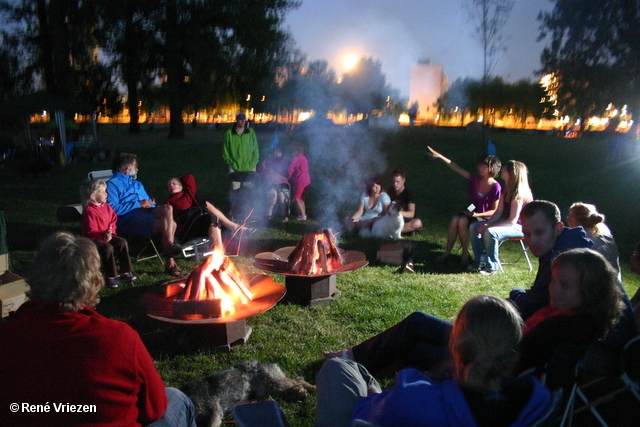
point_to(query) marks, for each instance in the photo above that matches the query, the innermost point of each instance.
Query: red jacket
(96, 220)
(183, 200)
(53, 358)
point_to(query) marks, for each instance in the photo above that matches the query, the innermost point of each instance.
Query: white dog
(387, 227)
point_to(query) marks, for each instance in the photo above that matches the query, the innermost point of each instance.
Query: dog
(389, 226)
(215, 396)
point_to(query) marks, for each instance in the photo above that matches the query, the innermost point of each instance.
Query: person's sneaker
(128, 277)
(301, 218)
(408, 268)
(111, 283)
(487, 271)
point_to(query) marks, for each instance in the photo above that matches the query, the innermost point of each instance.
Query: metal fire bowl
(266, 293)
(277, 262)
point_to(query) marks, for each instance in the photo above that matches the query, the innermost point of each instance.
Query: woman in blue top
(373, 204)
(484, 345)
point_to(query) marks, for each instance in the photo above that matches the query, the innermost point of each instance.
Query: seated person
(483, 344)
(182, 198)
(484, 194)
(137, 211)
(398, 192)
(587, 216)
(57, 349)
(585, 304)
(504, 223)
(273, 175)
(99, 225)
(374, 203)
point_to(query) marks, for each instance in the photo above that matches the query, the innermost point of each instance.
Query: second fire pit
(310, 268)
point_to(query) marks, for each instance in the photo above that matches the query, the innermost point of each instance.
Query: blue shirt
(125, 193)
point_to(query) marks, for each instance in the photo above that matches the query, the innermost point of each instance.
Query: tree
(594, 52)
(364, 89)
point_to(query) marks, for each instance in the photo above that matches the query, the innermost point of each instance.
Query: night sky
(400, 32)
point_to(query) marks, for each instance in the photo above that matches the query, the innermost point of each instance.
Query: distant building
(428, 83)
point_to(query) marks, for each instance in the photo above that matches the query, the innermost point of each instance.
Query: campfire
(214, 288)
(311, 266)
(315, 255)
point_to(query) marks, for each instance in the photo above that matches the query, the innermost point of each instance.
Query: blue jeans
(420, 340)
(485, 246)
(180, 411)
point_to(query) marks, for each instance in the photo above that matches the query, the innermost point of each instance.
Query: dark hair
(371, 181)
(549, 209)
(399, 172)
(122, 161)
(598, 282)
(493, 163)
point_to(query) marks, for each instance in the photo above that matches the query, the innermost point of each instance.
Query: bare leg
(301, 207)
(166, 227)
(463, 232)
(215, 235)
(226, 222)
(413, 225)
(272, 198)
(452, 235)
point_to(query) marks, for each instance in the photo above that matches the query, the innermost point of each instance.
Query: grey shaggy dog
(216, 395)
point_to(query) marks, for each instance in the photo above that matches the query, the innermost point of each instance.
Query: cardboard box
(12, 292)
(4, 262)
(396, 253)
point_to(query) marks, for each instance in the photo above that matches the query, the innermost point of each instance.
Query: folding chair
(524, 250)
(103, 174)
(144, 253)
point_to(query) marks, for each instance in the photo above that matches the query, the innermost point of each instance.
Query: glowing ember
(316, 253)
(214, 288)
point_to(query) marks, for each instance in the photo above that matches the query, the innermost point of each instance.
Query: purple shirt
(484, 202)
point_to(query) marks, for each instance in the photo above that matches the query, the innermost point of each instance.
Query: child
(299, 178)
(99, 224)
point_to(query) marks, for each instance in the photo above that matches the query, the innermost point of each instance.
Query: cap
(241, 116)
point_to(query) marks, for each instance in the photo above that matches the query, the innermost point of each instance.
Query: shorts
(299, 192)
(138, 221)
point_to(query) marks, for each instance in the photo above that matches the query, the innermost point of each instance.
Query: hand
(108, 235)
(146, 204)
(432, 154)
(467, 214)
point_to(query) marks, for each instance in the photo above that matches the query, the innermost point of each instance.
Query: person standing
(299, 177)
(240, 149)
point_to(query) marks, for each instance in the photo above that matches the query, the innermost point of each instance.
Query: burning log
(316, 253)
(214, 288)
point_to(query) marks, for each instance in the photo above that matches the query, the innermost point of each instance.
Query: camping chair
(242, 199)
(104, 174)
(524, 251)
(190, 235)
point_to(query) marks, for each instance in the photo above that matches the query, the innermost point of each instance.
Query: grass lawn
(373, 298)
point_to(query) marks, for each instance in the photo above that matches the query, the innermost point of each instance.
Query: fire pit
(310, 268)
(214, 302)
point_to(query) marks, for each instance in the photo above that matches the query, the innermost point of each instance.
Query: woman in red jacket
(66, 365)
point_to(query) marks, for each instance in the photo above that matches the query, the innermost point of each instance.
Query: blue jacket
(125, 193)
(417, 400)
(537, 297)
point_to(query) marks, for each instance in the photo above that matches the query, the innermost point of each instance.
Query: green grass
(373, 298)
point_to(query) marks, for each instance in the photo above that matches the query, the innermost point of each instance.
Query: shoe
(472, 267)
(487, 271)
(111, 283)
(408, 268)
(301, 218)
(174, 271)
(127, 277)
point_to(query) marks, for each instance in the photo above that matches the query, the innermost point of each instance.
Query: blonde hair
(518, 188)
(89, 190)
(484, 342)
(66, 270)
(588, 216)
(598, 283)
